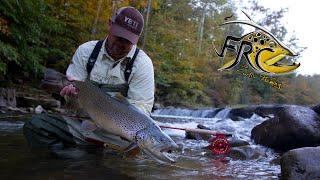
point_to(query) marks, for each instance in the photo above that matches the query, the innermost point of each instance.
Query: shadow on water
(18, 161)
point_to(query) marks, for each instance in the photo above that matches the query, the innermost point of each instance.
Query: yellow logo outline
(265, 50)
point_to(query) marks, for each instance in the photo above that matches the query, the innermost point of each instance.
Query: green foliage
(27, 46)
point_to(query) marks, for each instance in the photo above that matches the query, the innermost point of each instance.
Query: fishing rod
(200, 131)
(219, 145)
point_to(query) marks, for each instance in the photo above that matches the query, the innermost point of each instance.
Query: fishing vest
(121, 88)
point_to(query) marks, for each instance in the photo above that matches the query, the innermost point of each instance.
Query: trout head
(156, 143)
(267, 52)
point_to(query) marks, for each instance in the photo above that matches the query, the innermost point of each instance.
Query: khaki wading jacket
(108, 71)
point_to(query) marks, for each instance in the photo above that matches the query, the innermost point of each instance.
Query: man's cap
(127, 23)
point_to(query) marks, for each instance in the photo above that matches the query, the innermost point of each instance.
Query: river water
(18, 161)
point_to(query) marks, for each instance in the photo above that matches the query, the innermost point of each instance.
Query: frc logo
(262, 50)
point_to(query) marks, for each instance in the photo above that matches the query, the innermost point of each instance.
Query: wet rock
(316, 108)
(53, 81)
(302, 163)
(245, 153)
(236, 142)
(8, 97)
(238, 114)
(15, 109)
(39, 109)
(276, 161)
(291, 127)
(45, 102)
(198, 136)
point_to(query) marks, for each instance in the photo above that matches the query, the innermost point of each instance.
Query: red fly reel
(220, 145)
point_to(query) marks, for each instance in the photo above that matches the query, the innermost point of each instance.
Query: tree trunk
(201, 26)
(146, 24)
(94, 26)
(244, 96)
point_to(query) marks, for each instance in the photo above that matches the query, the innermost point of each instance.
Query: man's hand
(69, 90)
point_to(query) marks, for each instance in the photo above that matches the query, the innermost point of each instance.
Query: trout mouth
(279, 64)
(161, 154)
(276, 61)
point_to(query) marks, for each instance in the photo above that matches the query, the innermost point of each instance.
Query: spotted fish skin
(266, 52)
(124, 120)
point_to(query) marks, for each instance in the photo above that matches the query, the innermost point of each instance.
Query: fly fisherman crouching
(115, 64)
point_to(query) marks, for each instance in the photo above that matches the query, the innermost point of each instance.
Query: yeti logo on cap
(133, 24)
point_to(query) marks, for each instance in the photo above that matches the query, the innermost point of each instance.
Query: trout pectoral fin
(274, 59)
(228, 65)
(131, 147)
(88, 126)
(132, 150)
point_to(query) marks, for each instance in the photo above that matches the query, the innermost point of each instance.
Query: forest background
(178, 36)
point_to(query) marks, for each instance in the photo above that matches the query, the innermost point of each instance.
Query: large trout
(124, 120)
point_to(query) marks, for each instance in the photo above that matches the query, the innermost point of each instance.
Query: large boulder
(237, 114)
(301, 163)
(291, 127)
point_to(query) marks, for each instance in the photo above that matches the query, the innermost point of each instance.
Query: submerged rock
(198, 136)
(245, 153)
(302, 163)
(236, 142)
(291, 127)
